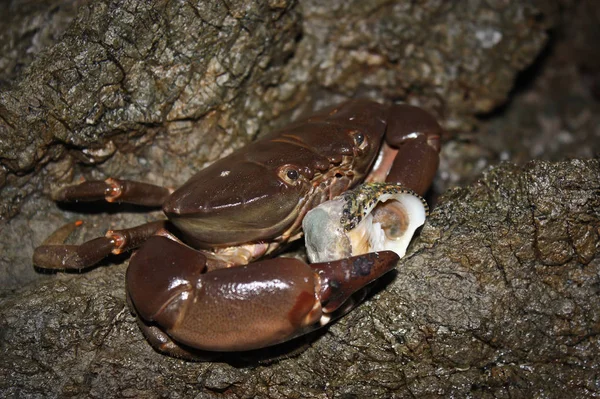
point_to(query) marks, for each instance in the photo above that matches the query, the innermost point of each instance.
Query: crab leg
(115, 190)
(54, 254)
(245, 307)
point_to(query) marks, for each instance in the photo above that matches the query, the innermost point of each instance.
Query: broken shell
(372, 217)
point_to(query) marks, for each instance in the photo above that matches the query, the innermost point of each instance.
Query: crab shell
(373, 217)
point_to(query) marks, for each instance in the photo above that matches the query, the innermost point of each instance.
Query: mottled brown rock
(497, 298)
(435, 330)
(123, 74)
(29, 27)
(553, 113)
(129, 69)
(458, 58)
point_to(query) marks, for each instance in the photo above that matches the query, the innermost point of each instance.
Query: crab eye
(289, 174)
(359, 139)
(292, 174)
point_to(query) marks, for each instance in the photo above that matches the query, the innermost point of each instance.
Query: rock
(498, 296)
(203, 78)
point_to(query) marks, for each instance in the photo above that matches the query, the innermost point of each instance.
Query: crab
(197, 280)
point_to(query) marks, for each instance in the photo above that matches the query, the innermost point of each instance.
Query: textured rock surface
(498, 298)
(125, 69)
(218, 73)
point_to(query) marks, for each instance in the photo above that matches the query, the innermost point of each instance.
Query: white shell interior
(369, 236)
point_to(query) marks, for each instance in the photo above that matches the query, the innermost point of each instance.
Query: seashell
(372, 217)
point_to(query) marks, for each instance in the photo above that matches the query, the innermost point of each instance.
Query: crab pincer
(242, 308)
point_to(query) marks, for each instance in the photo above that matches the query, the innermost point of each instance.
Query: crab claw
(246, 307)
(340, 279)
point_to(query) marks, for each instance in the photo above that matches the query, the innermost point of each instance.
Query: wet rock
(122, 75)
(497, 298)
(122, 71)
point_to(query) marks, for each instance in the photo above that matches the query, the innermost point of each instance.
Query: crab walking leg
(245, 307)
(114, 190)
(54, 254)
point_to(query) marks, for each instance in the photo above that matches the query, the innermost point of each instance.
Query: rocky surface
(497, 298)
(124, 74)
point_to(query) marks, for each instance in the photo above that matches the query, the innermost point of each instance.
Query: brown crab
(205, 289)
